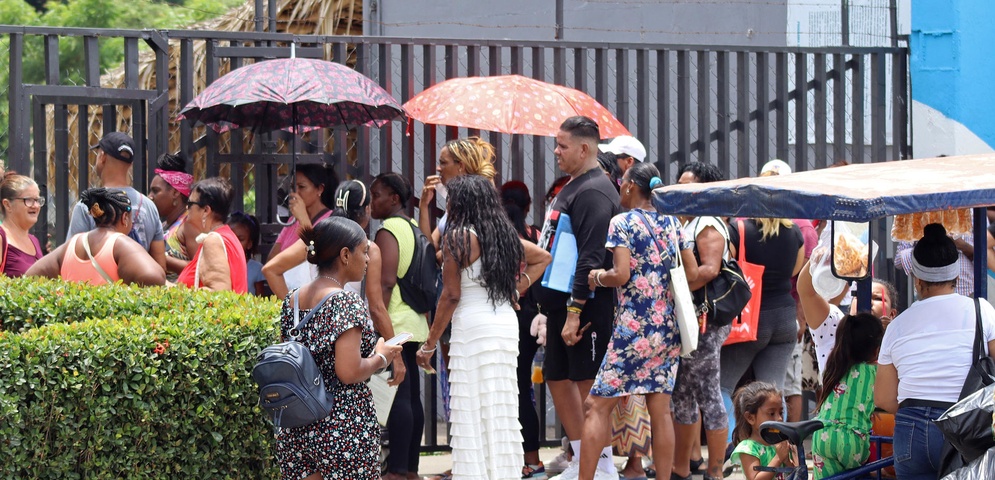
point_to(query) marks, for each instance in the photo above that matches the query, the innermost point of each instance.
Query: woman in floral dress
(643, 354)
(345, 444)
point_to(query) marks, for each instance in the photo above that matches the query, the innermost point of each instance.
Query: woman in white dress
(482, 257)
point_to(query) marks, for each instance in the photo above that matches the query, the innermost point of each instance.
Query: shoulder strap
(295, 332)
(979, 334)
(741, 253)
(93, 261)
(659, 246)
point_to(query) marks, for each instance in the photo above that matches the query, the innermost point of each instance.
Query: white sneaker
(561, 461)
(600, 474)
(571, 472)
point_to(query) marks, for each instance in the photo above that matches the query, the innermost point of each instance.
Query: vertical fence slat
(704, 142)
(473, 70)
(452, 71)
(61, 154)
(494, 68)
(781, 94)
(363, 147)
(879, 140)
(407, 91)
(683, 108)
(386, 81)
(19, 138)
(185, 71)
(900, 106)
(801, 111)
(663, 111)
(340, 136)
(839, 109)
(622, 72)
(429, 132)
(857, 108)
(601, 77)
(517, 152)
(82, 149)
(821, 129)
(211, 72)
(723, 151)
(580, 69)
(39, 129)
(763, 109)
(742, 161)
(643, 101)
(538, 161)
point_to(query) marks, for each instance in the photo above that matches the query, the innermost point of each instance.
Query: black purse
(980, 375)
(723, 298)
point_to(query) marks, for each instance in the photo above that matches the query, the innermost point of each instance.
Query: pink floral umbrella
(508, 104)
(295, 94)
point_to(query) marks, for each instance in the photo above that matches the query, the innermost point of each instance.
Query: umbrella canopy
(296, 94)
(854, 193)
(508, 104)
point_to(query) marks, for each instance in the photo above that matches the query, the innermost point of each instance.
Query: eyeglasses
(191, 203)
(32, 201)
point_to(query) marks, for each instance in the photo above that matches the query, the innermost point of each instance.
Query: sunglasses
(191, 203)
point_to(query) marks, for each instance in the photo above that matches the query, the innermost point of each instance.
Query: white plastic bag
(850, 257)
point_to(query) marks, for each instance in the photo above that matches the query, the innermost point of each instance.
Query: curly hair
(106, 206)
(397, 184)
(474, 204)
(704, 172)
(476, 154)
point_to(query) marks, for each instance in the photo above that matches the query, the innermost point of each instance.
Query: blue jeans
(917, 443)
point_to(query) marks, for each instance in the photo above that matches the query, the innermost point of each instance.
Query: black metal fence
(736, 107)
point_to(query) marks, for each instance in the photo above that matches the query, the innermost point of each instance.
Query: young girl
(246, 228)
(756, 403)
(847, 400)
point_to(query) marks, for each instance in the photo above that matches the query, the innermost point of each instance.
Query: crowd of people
(611, 333)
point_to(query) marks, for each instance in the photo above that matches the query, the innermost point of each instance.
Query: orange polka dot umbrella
(508, 104)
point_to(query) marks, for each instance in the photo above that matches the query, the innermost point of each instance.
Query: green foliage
(158, 389)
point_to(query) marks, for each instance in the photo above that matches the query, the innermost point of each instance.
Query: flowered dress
(753, 448)
(644, 350)
(844, 443)
(346, 444)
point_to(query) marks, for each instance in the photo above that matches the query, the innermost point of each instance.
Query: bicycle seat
(793, 432)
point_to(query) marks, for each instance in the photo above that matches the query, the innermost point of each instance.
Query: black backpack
(418, 285)
(291, 389)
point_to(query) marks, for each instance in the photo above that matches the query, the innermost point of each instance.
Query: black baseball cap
(119, 145)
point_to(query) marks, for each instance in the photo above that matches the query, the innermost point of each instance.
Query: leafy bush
(159, 387)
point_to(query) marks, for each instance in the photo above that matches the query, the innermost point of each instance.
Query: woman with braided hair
(105, 254)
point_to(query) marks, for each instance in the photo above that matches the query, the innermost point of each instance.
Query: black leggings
(407, 418)
(527, 415)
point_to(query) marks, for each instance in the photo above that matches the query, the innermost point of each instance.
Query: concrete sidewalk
(435, 463)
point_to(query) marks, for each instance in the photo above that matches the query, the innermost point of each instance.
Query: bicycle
(796, 432)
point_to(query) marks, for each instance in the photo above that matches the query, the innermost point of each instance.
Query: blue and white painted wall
(952, 69)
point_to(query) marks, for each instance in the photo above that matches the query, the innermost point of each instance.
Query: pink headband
(179, 180)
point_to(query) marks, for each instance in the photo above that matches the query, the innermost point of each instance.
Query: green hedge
(156, 385)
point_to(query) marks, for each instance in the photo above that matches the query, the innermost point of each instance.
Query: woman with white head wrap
(926, 354)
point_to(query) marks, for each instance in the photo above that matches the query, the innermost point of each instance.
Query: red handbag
(744, 327)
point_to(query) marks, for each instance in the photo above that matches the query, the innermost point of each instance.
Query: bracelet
(527, 277)
(385, 362)
(576, 310)
(597, 279)
(422, 349)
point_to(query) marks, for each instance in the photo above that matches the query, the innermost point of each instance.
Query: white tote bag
(684, 311)
(383, 396)
(687, 320)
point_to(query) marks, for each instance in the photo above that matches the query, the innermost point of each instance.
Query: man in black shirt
(580, 324)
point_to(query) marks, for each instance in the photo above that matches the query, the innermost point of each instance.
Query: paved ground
(436, 463)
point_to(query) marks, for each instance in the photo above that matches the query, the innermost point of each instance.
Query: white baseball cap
(778, 167)
(625, 145)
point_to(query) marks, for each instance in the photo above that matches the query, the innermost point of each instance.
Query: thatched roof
(302, 17)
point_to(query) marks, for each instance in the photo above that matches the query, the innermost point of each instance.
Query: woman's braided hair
(106, 206)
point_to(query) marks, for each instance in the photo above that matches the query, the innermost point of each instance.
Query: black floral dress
(346, 445)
